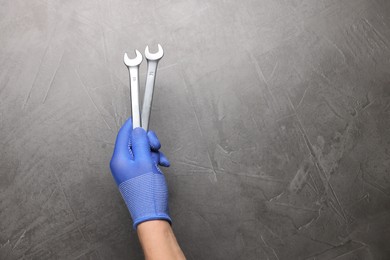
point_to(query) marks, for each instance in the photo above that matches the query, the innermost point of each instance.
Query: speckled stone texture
(275, 115)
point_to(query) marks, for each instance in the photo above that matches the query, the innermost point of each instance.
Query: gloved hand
(134, 166)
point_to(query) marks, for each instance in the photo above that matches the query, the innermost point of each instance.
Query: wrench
(133, 66)
(153, 59)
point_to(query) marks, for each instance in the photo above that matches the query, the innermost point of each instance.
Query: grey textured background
(274, 114)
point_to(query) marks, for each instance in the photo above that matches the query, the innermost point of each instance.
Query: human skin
(158, 241)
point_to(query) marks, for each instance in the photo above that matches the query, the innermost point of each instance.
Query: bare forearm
(158, 241)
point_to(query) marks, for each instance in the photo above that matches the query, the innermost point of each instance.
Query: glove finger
(123, 137)
(156, 157)
(164, 160)
(153, 140)
(140, 145)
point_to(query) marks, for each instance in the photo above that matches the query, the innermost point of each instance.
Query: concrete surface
(275, 115)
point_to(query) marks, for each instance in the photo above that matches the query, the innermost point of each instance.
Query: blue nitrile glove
(134, 168)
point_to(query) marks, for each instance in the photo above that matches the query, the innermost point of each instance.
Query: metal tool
(133, 66)
(153, 59)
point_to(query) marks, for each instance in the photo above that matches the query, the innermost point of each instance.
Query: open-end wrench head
(154, 56)
(133, 62)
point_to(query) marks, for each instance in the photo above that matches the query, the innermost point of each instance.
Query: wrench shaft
(149, 89)
(134, 94)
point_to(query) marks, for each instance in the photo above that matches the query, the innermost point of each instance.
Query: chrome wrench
(133, 66)
(153, 59)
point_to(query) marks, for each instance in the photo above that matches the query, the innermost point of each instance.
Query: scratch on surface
(284, 117)
(300, 178)
(223, 150)
(303, 96)
(186, 159)
(261, 76)
(52, 78)
(335, 45)
(167, 67)
(40, 66)
(294, 207)
(90, 98)
(386, 107)
(334, 251)
(321, 74)
(335, 209)
(349, 252)
(194, 165)
(318, 241)
(104, 46)
(5, 249)
(178, 149)
(20, 239)
(377, 33)
(306, 225)
(84, 253)
(276, 197)
(338, 202)
(273, 250)
(365, 197)
(66, 197)
(349, 47)
(373, 185)
(274, 69)
(306, 139)
(48, 199)
(368, 103)
(35, 78)
(105, 51)
(333, 110)
(264, 178)
(314, 184)
(312, 187)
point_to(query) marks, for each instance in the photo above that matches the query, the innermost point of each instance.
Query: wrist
(158, 241)
(156, 226)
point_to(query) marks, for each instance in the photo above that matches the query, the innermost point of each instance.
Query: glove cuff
(146, 197)
(159, 217)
